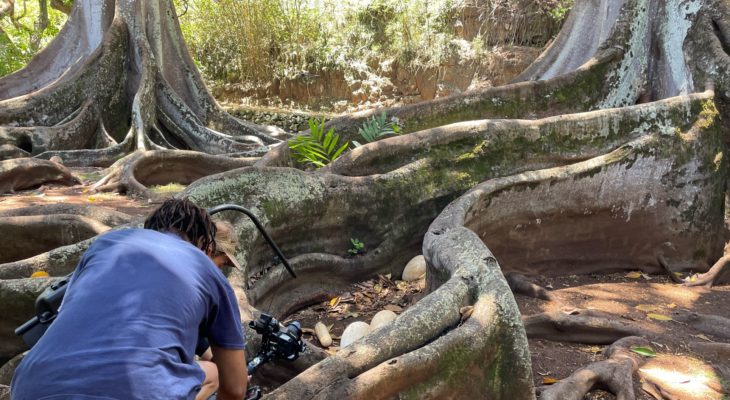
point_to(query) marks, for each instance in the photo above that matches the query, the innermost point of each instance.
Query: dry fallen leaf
(634, 275)
(335, 301)
(549, 380)
(703, 337)
(591, 349)
(646, 307)
(39, 274)
(671, 305)
(659, 317)
(466, 312)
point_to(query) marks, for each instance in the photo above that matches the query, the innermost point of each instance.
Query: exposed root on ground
(719, 351)
(580, 326)
(40, 233)
(519, 284)
(136, 172)
(706, 323)
(718, 273)
(60, 261)
(662, 261)
(26, 173)
(104, 215)
(615, 374)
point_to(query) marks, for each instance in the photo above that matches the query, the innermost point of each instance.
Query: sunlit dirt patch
(684, 377)
(638, 300)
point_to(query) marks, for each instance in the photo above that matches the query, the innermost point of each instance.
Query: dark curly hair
(183, 217)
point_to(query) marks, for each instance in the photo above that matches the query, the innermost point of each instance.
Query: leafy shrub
(316, 147)
(376, 127)
(21, 39)
(255, 40)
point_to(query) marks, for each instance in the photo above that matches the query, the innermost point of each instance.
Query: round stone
(353, 332)
(382, 318)
(415, 269)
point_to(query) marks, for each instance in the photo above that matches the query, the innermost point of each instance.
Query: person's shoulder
(146, 234)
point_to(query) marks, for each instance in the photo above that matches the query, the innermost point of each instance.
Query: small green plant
(376, 127)
(358, 247)
(316, 148)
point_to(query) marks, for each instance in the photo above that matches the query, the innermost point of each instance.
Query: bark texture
(606, 155)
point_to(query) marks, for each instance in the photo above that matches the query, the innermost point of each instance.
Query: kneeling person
(131, 316)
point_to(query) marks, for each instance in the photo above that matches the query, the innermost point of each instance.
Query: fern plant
(316, 148)
(376, 127)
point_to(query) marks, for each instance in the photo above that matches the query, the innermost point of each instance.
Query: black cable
(233, 207)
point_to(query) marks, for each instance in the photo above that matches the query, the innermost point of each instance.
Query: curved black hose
(233, 207)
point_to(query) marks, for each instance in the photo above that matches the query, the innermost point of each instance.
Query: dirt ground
(77, 194)
(648, 301)
(622, 295)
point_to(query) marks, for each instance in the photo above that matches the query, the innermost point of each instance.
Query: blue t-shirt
(129, 323)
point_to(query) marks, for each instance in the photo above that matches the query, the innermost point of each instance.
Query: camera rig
(277, 342)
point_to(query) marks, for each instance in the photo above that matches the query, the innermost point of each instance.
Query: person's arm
(232, 373)
(207, 355)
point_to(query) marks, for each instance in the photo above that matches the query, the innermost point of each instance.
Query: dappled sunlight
(600, 304)
(683, 377)
(680, 295)
(7, 202)
(654, 293)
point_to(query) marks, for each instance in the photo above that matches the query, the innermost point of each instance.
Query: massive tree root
(584, 326)
(711, 324)
(519, 284)
(24, 173)
(586, 192)
(38, 234)
(118, 78)
(615, 374)
(718, 273)
(312, 217)
(103, 215)
(133, 174)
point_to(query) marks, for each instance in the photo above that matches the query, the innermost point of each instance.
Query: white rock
(382, 318)
(353, 332)
(323, 334)
(415, 269)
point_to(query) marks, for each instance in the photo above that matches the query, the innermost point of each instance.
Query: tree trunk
(609, 153)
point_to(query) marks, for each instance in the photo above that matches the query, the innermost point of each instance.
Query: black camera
(277, 342)
(46, 309)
